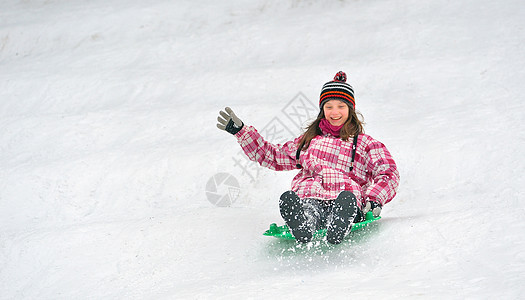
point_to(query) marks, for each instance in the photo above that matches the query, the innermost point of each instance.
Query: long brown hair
(353, 126)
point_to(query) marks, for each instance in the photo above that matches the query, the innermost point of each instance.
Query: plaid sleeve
(384, 174)
(275, 157)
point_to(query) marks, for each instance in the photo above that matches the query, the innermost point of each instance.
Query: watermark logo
(222, 189)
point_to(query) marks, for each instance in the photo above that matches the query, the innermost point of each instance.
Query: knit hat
(337, 89)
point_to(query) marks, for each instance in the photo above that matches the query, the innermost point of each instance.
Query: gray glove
(229, 122)
(372, 206)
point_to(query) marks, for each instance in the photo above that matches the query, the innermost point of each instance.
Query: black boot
(294, 215)
(344, 211)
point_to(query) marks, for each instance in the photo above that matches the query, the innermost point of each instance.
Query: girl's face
(336, 112)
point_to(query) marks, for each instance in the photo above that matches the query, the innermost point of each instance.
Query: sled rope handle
(354, 148)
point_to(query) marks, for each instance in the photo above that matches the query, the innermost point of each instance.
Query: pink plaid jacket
(326, 166)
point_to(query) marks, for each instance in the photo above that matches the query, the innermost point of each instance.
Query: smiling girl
(343, 173)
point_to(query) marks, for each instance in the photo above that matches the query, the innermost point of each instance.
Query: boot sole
(343, 215)
(293, 214)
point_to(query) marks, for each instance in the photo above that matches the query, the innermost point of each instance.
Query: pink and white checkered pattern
(326, 166)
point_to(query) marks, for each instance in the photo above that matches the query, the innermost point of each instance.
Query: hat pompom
(340, 76)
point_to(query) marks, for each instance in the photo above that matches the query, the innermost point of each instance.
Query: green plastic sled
(283, 232)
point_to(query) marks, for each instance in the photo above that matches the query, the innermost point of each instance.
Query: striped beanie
(337, 89)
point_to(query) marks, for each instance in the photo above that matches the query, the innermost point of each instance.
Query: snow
(108, 140)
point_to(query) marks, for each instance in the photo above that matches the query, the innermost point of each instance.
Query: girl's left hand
(373, 206)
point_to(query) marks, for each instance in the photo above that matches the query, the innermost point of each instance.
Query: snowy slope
(108, 140)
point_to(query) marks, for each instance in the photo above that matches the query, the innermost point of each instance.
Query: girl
(343, 173)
